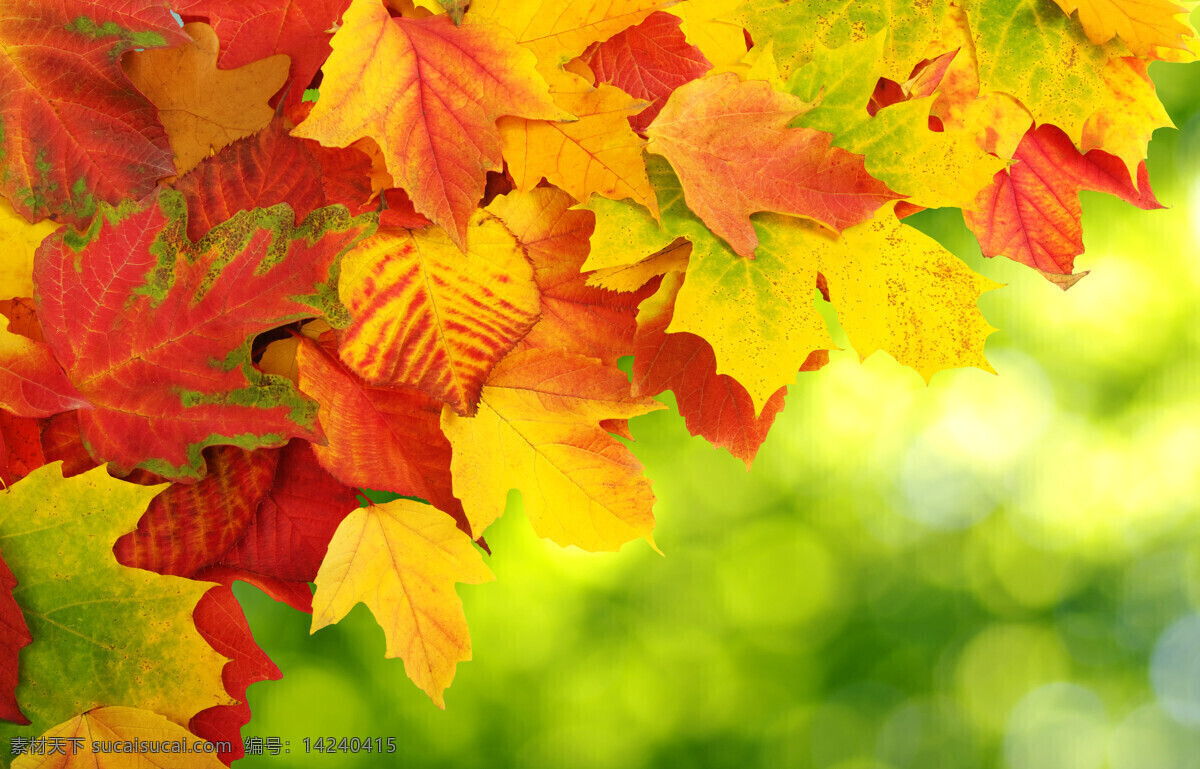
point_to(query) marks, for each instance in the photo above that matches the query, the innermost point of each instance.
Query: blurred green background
(991, 571)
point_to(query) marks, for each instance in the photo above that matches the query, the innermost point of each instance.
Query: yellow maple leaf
(559, 30)
(1142, 24)
(598, 153)
(402, 559)
(722, 42)
(124, 728)
(1124, 129)
(541, 411)
(18, 241)
(631, 277)
(898, 290)
(935, 169)
(894, 289)
(204, 108)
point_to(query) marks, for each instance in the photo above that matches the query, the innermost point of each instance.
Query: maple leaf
(272, 167)
(796, 28)
(1031, 212)
(222, 623)
(438, 90)
(893, 288)
(250, 30)
(102, 632)
(32, 384)
(1052, 68)
(1143, 25)
(384, 438)
(18, 241)
(713, 405)
(559, 30)
(14, 636)
(706, 26)
(540, 411)
(118, 724)
(648, 61)
(402, 559)
(598, 153)
(190, 525)
(431, 317)
(712, 128)
(20, 448)
(575, 317)
(934, 169)
(1124, 129)
(204, 108)
(154, 329)
(281, 550)
(70, 141)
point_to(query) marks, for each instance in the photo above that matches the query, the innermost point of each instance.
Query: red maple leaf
(282, 548)
(648, 61)
(14, 635)
(273, 167)
(222, 623)
(1031, 212)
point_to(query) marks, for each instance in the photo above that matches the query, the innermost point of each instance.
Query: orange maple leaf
(729, 143)
(429, 93)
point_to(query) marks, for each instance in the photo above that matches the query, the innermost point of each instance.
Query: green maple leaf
(103, 633)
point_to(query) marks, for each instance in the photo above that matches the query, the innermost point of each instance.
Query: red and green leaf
(71, 141)
(154, 330)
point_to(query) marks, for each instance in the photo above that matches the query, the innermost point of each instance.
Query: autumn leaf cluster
(281, 250)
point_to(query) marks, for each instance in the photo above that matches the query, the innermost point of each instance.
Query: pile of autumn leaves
(423, 282)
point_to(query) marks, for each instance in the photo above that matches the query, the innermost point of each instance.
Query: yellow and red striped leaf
(428, 316)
